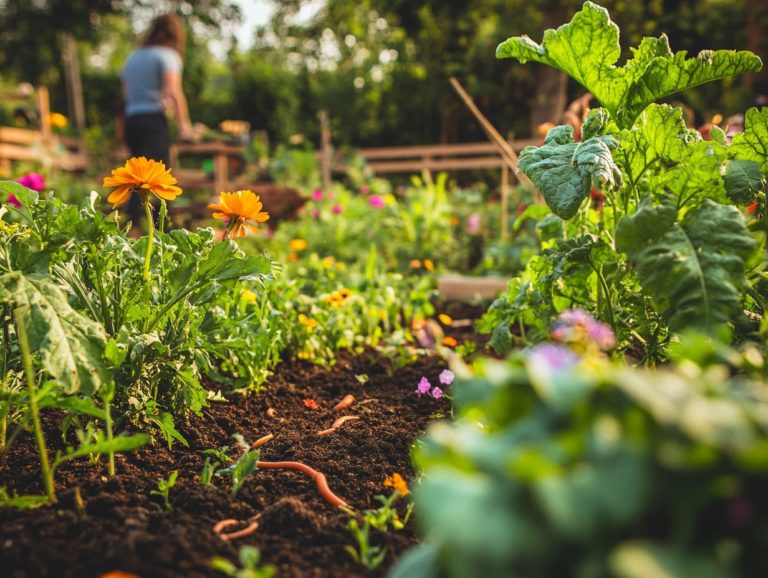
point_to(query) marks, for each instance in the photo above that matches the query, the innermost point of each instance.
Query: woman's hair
(166, 30)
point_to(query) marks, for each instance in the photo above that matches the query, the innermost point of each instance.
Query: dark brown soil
(123, 528)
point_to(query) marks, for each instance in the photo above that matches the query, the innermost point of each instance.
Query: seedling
(164, 489)
(243, 467)
(249, 558)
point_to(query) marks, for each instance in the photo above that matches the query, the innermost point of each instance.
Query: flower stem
(108, 420)
(26, 355)
(150, 242)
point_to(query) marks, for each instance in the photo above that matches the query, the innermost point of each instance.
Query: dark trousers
(147, 135)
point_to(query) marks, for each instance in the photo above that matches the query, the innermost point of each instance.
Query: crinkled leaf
(743, 181)
(692, 269)
(587, 49)
(564, 170)
(752, 144)
(70, 345)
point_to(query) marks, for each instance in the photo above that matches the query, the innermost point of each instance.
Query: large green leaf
(752, 144)
(640, 559)
(743, 181)
(564, 170)
(694, 269)
(70, 345)
(587, 49)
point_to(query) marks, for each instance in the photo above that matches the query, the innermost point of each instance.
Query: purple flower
(365, 190)
(376, 201)
(317, 195)
(34, 181)
(424, 386)
(578, 326)
(12, 200)
(552, 357)
(446, 377)
(474, 222)
(337, 209)
(437, 393)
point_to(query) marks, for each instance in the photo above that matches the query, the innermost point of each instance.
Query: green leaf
(743, 181)
(24, 195)
(418, 562)
(587, 49)
(69, 344)
(752, 144)
(694, 269)
(638, 559)
(121, 443)
(564, 170)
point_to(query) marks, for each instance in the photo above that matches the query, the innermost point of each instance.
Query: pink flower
(446, 377)
(317, 195)
(474, 223)
(376, 201)
(364, 189)
(12, 200)
(315, 213)
(424, 386)
(337, 209)
(34, 181)
(437, 393)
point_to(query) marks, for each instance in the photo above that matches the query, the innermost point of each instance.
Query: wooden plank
(20, 135)
(436, 165)
(18, 153)
(466, 288)
(463, 149)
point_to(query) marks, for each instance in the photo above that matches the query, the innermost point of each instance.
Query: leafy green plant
(243, 467)
(661, 251)
(164, 489)
(614, 469)
(250, 558)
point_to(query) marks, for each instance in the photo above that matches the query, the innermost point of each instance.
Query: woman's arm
(175, 92)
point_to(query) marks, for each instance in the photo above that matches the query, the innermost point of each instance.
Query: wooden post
(220, 171)
(74, 83)
(44, 104)
(326, 150)
(504, 203)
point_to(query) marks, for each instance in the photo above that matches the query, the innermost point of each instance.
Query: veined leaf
(743, 181)
(564, 170)
(692, 269)
(752, 144)
(70, 345)
(587, 49)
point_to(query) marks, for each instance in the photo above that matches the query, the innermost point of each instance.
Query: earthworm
(367, 401)
(261, 441)
(320, 479)
(344, 419)
(326, 432)
(345, 402)
(247, 531)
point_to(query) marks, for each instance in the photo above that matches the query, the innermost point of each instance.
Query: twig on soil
(320, 479)
(261, 441)
(367, 401)
(337, 424)
(218, 528)
(345, 402)
(271, 412)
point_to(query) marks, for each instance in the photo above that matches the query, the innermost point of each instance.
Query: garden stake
(320, 479)
(345, 402)
(262, 440)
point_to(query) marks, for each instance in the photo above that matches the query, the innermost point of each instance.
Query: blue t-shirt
(143, 77)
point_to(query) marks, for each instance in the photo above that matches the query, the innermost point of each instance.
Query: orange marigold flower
(345, 293)
(241, 210)
(415, 263)
(297, 245)
(429, 265)
(397, 482)
(449, 341)
(142, 176)
(307, 322)
(310, 403)
(445, 319)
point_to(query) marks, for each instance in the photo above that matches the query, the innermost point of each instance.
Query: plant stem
(150, 242)
(108, 420)
(4, 409)
(26, 355)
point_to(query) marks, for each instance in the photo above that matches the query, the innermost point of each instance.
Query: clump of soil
(123, 527)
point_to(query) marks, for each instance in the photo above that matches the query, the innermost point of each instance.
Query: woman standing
(151, 86)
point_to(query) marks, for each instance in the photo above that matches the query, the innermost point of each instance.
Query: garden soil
(121, 526)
